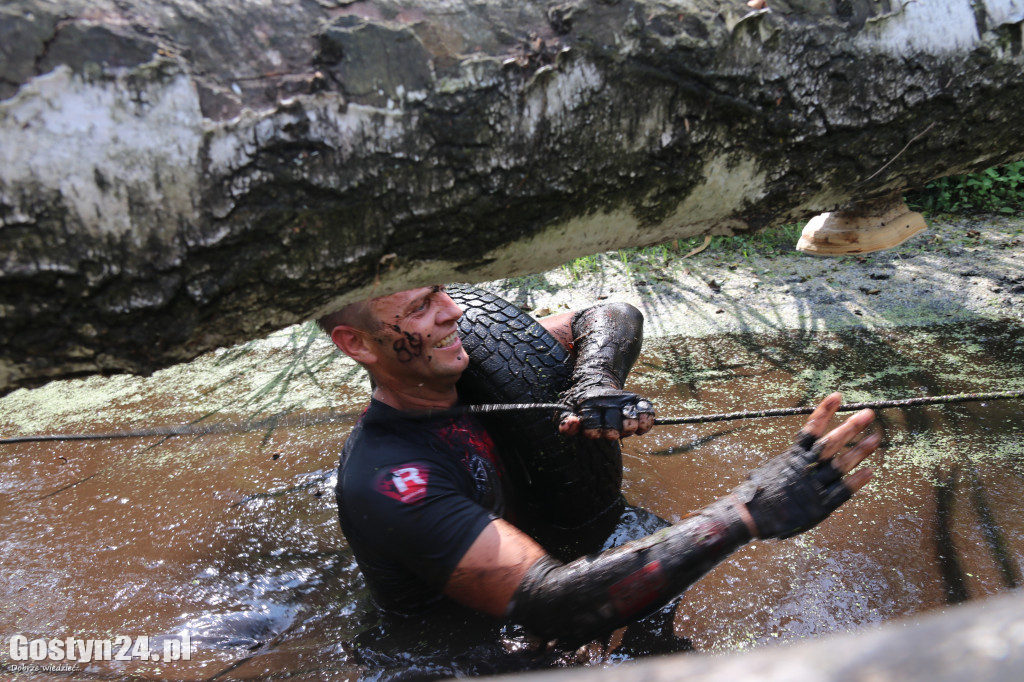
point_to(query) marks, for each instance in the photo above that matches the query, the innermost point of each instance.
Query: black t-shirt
(413, 495)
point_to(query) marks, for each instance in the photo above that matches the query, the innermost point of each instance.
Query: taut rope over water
(309, 420)
(274, 421)
(850, 407)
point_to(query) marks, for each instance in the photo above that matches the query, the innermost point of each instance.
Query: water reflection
(233, 537)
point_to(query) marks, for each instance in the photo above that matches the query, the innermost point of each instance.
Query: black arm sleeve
(595, 594)
(607, 341)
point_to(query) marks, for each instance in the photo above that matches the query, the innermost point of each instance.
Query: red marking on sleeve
(638, 589)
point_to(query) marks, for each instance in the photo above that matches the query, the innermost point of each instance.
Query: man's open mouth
(448, 340)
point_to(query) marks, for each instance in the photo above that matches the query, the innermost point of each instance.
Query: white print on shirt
(407, 483)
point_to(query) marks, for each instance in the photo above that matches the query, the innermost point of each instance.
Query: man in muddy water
(421, 501)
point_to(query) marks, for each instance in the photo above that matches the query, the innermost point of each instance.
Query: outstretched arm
(506, 573)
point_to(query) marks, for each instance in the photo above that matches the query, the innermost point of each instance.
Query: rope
(274, 421)
(190, 429)
(851, 407)
(310, 420)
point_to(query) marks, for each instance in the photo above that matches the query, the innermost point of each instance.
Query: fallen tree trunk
(976, 642)
(176, 176)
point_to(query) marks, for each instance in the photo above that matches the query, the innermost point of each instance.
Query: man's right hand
(801, 487)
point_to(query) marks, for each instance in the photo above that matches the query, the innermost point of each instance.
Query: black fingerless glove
(605, 408)
(607, 341)
(793, 492)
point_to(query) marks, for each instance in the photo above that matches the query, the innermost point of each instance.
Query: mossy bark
(176, 176)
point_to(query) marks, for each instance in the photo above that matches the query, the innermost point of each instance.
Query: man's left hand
(608, 413)
(798, 489)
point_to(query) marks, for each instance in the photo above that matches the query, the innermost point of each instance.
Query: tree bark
(181, 175)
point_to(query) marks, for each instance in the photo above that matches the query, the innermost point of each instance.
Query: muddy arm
(606, 340)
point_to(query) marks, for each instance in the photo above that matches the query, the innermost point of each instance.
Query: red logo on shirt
(406, 483)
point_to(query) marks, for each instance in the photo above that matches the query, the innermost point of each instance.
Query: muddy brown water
(233, 538)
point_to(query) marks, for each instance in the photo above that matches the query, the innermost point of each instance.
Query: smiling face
(418, 333)
(409, 343)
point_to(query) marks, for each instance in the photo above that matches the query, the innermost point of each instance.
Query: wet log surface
(177, 176)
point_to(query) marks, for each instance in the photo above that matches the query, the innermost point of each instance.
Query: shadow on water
(946, 550)
(694, 444)
(958, 486)
(232, 538)
(995, 538)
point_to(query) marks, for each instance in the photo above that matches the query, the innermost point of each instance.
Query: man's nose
(450, 310)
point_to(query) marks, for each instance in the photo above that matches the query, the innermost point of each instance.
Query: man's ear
(354, 343)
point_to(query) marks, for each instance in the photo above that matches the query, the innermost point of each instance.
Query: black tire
(568, 490)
